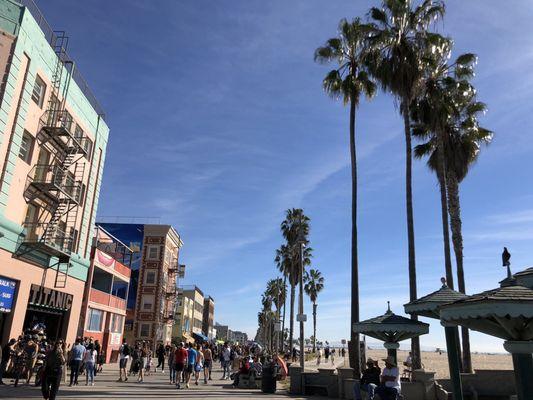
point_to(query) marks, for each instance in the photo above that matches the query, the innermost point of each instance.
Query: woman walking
(144, 362)
(53, 371)
(90, 364)
(160, 353)
(199, 363)
(171, 364)
(208, 362)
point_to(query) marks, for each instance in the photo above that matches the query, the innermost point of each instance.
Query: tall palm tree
(349, 81)
(397, 41)
(314, 283)
(447, 116)
(283, 264)
(295, 230)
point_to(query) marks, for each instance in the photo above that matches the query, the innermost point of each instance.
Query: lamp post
(301, 316)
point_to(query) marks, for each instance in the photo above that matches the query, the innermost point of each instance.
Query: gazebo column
(453, 360)
(523, 366)
(392, 348)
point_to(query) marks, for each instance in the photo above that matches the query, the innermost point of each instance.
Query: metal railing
(50, 37)
(50, 235)
(53, 174)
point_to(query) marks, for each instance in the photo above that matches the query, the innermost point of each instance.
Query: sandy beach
(438, 363)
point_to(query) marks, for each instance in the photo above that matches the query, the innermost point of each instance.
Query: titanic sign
(46, 297)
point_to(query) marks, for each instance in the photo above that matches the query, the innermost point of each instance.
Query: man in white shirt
(390, 380)
(225, 356)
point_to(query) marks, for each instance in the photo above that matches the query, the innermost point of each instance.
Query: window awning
(201, 336)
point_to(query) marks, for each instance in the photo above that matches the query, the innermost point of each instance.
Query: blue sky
(219, 123)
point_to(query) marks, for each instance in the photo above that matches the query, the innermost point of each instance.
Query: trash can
(268, 379)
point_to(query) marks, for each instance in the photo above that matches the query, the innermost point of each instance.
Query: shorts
(179, 366)
(190, 368)
(207, 364)
(123, 362)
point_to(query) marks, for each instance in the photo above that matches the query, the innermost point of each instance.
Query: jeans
(172, 372)
(387, 393)
(161, 363)
(74, 371)
(226, 366)
(370, 388)
(89, 370)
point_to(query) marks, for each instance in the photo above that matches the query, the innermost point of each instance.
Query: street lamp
(301, 316)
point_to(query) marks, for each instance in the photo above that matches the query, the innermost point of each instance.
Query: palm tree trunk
(454, 209)
(314, 327)
(354, 351)
(291, 317)
(444, 216)
(284, 308)
(415, 342)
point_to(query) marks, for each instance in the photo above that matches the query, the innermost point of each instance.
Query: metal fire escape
(55, 186)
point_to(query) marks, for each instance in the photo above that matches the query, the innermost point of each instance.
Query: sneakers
(178, 386)
(187, 386)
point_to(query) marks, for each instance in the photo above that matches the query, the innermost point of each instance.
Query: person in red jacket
(180, 358)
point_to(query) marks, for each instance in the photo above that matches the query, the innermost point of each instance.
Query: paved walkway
(155, 386)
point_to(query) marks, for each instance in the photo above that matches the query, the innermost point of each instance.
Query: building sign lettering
(7, 292)
(46, 297)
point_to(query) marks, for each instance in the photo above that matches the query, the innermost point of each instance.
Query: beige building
(189, 314)
(53, 139)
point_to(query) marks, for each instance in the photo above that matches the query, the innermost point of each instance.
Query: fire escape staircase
(56, 187)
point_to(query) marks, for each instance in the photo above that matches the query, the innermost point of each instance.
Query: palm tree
(277, 290)
(283, 264)
(447, 116)
(295, 230)
(314, 283)
(349, 81)
(397, 43)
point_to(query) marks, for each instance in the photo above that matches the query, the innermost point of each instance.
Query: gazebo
(507, 313)
(391, 329)
(429, 306)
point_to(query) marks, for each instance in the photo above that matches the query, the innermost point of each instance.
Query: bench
(249, 382)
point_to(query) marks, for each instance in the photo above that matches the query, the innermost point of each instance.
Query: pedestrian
(135, 359)
(123, 357)
(333, 356)
(6, 357)
(101, 362)
(52, 371)
(31, 350)
(199, 363)
(225, 359)
(160, 353)
(208, 362)
(171, 364)
(180, 359)
(326, 353)
(343, 352)
(76, 357)
(143, 362)
(192, 356)
(319, 357)
(90, 364)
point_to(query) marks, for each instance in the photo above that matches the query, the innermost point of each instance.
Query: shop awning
(200, 336)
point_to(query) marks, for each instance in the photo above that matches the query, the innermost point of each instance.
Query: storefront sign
(7, 293)
(45, 297)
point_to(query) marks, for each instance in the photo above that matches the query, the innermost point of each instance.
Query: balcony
(51, 184)
(105, 299)
(56, 129)
(50, 239)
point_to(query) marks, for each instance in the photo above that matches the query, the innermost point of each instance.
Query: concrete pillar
(343, 374)
(392, 350)
(523, 367)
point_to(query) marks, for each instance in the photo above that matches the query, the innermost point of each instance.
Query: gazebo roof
(428, 306)
(527, 271)
(390, 327)
(505, 312)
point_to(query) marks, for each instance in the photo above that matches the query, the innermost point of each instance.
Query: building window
(147, 303)
(144, 330)
(39, 91)
(94, 322)
(115, 325)
(26, 147)
(150, 277)
(153, 252)
(88, 146)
